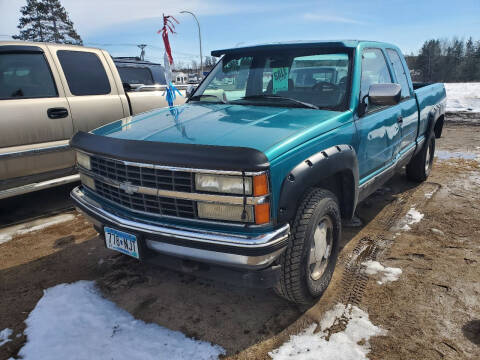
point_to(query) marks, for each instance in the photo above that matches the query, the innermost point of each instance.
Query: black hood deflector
(172, 154)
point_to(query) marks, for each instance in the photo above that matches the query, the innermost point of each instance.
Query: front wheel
(420, 166)
(312, 251)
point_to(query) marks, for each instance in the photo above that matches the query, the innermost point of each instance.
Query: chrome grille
(143, 176)
(149, 177)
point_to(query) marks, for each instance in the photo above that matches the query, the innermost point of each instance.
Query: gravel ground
(431, 312)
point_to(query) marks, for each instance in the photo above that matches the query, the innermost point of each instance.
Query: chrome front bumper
(234, 250)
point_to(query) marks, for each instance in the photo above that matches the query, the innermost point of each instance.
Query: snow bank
(388, 273)
(463, 97)
(348, 344)
(72, 321)
(10, 232)
(5, 336)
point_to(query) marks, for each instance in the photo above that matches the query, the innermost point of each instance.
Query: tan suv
(47, 93)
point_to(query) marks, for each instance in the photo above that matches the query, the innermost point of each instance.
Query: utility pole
(199, 39)
(142, 53)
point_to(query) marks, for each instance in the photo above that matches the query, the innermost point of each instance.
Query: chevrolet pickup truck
(252, 177)
(47, 93)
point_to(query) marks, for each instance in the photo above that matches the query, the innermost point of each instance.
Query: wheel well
(439, 127)
(342, 184)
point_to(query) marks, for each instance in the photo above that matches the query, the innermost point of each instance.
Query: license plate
(121, 241)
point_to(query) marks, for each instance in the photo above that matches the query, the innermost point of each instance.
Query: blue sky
(117, 25)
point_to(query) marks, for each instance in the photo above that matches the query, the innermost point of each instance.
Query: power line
(161, 48)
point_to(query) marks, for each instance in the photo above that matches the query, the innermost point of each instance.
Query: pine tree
(46, 21)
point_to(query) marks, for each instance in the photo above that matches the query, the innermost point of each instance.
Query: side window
(374, 70)
(84, 72)
(399, 72)
(25, 75)
(135, 75)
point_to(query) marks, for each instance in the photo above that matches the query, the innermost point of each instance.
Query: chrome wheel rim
(321, 248)
(427, 160)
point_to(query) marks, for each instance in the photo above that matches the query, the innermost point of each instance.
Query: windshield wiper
(199, 97)
(263, 96)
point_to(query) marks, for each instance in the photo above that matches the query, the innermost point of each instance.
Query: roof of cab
(34, 43)
(297, 44)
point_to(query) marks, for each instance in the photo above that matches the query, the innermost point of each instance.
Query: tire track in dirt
(375, 239)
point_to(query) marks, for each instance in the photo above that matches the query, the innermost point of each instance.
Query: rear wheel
(311, 255)
(420, 166)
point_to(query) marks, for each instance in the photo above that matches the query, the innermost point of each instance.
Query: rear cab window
(25, 75)
(84, 72)
(400, 73)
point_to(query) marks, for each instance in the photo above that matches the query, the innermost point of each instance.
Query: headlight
(223, 184)
(225, 212)
(87, 181)
(83, 160)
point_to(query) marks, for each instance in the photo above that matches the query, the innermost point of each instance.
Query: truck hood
(272, 130)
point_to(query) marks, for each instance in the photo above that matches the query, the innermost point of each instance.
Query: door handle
(57, 113)
(400, 119)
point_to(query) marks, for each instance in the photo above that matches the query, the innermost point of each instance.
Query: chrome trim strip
(215, 257)
(173, 168)
(193, 221)
(198, 235)
(38, 186)
(211, 198)
(408, 152)
(378, 175)
(35, 151)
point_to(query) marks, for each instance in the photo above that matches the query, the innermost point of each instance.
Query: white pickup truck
(48, 92)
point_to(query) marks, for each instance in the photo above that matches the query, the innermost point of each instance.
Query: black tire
(420, 166)
(299, 282)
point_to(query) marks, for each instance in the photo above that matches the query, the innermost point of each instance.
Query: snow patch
(463, 97)
(446, 155)
(5, 336)
(412, 217)
(10, 232)
(73, 321)
(387, 273)
(429, 195)
(348, 344)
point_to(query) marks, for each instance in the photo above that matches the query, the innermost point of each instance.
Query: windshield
(295, 78)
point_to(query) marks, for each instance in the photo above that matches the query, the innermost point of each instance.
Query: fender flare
(435, 114)
(337, 160)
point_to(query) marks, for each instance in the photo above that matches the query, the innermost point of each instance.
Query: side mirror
(384, 94)
(380, 95)
(190, 90)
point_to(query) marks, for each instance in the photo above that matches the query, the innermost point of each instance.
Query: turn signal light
(260, 185)
(262, 213)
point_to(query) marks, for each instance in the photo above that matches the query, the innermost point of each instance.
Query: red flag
(168, 26)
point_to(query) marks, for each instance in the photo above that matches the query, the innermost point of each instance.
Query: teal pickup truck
(251, 179)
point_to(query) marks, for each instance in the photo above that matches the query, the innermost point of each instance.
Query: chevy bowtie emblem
(128, 187)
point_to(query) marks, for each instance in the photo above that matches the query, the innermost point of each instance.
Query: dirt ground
(431, 312)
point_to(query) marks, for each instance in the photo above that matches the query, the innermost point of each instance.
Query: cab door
(91, 90)
(378, 129)
(35, 121)
(408, 104)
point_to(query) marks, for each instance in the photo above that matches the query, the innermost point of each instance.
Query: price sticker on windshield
(280, 79)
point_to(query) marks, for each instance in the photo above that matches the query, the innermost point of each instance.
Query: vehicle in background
(194, 79)
(180, 78)
(254, 177)
(47, 93)
(136, 72)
